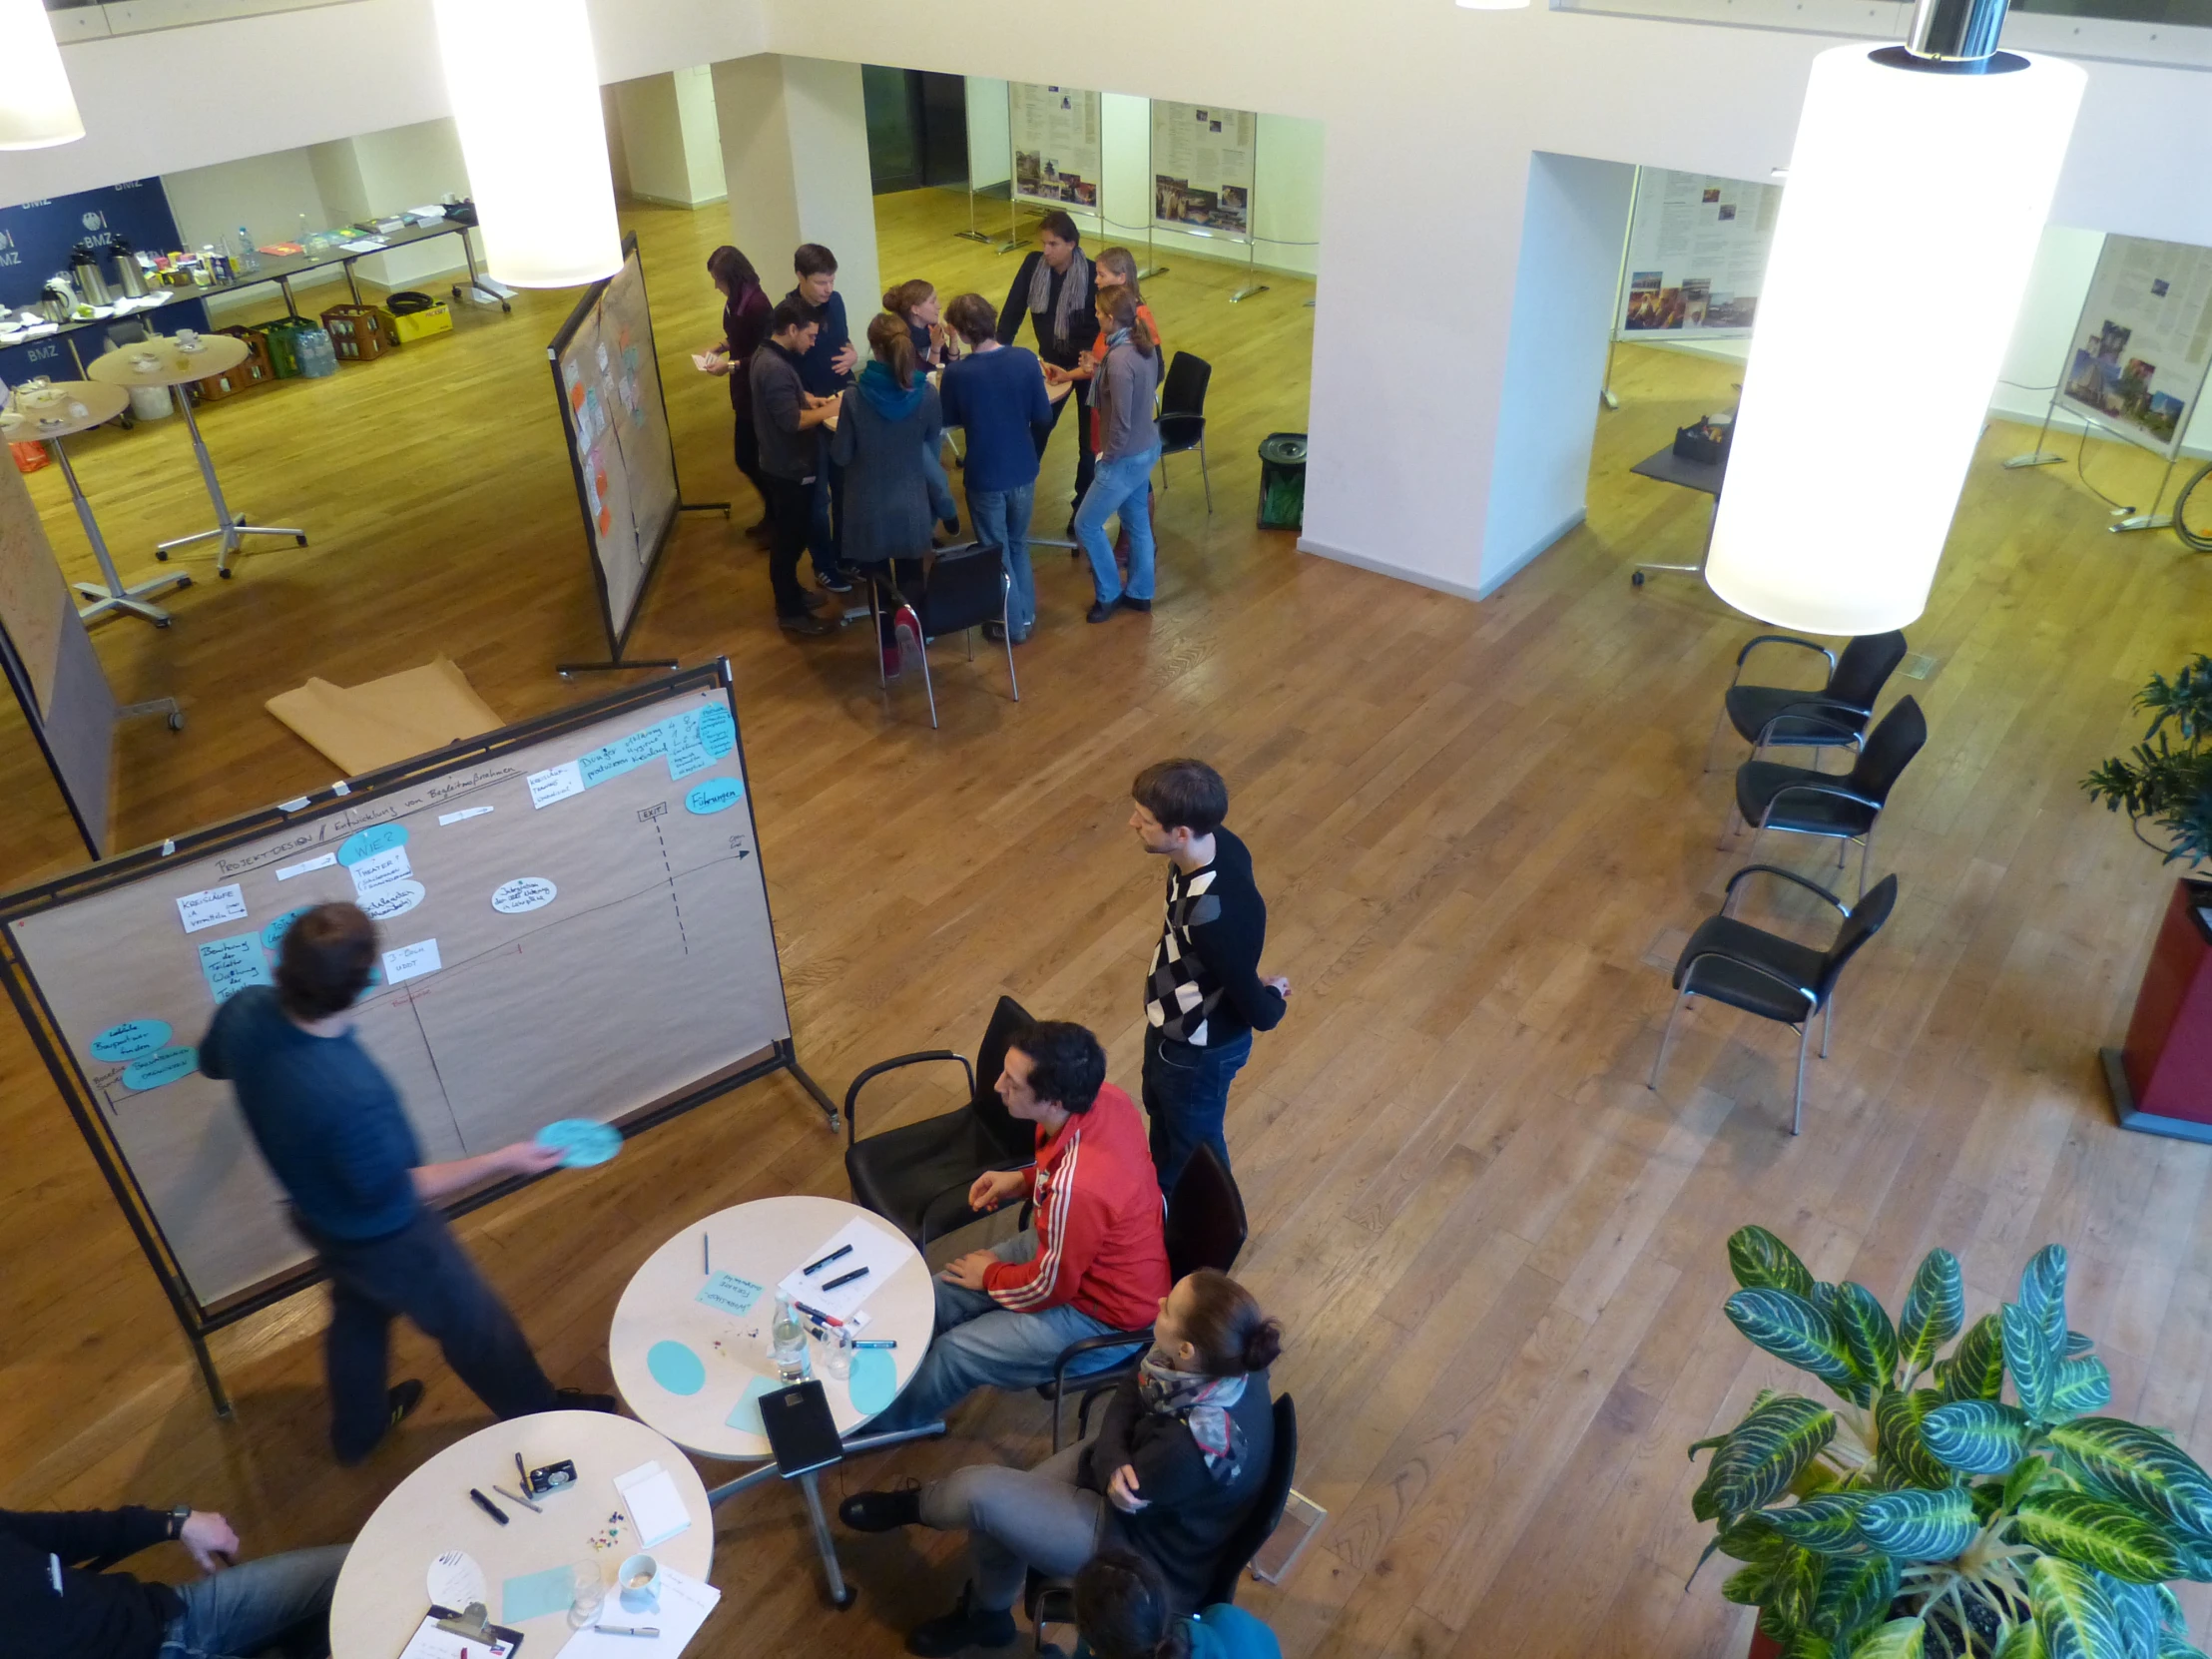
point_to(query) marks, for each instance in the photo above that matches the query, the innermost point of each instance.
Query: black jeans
(789, 513)
(422, 1273)
(747, 447)
(1086, 455)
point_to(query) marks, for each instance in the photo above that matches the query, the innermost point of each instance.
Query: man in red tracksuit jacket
(1095, 1261)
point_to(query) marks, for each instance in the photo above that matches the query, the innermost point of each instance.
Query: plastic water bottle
(248, 256)
(788, 1341)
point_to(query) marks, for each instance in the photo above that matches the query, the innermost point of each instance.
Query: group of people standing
(847, 456)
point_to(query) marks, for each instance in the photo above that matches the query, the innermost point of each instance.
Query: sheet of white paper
(873, 1248)
(429, 1643)
(555, 783)
(378, 868)
(703, 360)
(649, 1493)
(411, 961)
(367, 245)
(464, 812)
(455, 1579)
(323, 862)
(685, 1604)
(213, 908)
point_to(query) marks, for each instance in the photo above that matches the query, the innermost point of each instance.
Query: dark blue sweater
(324, 1114)
(999, 397)
(814, 372)
(57, 1610)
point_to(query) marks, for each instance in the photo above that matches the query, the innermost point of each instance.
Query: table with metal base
(160, 362)
(1704, 476)
(49, 415)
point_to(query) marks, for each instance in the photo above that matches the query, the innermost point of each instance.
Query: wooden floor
(1482, 830)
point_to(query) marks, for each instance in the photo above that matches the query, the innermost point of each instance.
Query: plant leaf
(2081, 1386)
(2171, 1646)
(1794, 1331)
(2170, 1615)
(2026, 1642)
(1854, 1591)
(2077, 1344)
(1899, 1420)
(1869, 1340)
(1754, 1538)
(2111, 1538)
(1934, 1311)
(1828, 1524)
(1807, 1644)
(2043, 1295)
(1918, 1526)
(2135, 1606)
(2025, 1473)
(1797, 1586)
(2072, 1612)
(1977, 1437)
(1762, 1262)
(1748, 1586)
(2033, 1360)
(1898, 1639)
(1761, 1457)
(2142, 1467)
(1976, 1368)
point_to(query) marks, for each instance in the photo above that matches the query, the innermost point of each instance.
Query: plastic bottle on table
(788, 1341)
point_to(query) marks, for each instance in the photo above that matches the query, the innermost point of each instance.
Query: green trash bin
(1283, 482)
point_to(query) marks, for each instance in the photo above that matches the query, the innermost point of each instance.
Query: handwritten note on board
(377, 837)
(213, 908)
(714, 796)
(323, 862)
(390, 898)
(131, 1039)
(523, 893)
(230, 966)
(555, 783)
(462, 815)
(378, 868)
(411, 961)
(156, 1069)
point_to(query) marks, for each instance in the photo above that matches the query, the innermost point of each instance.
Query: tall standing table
(160, 361)
(48, 415)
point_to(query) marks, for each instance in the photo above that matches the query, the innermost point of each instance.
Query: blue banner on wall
(35, 239)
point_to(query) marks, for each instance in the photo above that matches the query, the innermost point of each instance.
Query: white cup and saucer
(638, 1585)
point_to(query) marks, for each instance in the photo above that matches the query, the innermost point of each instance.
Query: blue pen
(878, 1344)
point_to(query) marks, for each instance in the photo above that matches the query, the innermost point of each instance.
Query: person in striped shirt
(1094, 1261)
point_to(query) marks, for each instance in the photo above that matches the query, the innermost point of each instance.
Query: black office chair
(1204, 1228)
(1766, 974)
(1052, 1601)
(1844, 807)
(1183, 417)
(1835, 717)
(961, 592)
(916, 1176)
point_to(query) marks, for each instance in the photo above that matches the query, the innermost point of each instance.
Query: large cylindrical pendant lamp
(1918, 192)
(524, 84)
(37, 108)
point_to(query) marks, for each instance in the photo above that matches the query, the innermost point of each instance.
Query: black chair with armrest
(1833, 717)
(958, 594)
(1183, 417)
(1766, 974)
(1842, 807)
(1204, 1228)
(916, 1177)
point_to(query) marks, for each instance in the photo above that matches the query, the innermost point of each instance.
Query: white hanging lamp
(37, 108)
(1494, 5)
(524, 84)
(1918, 192)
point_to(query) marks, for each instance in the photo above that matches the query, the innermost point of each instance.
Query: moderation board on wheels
(572, 920)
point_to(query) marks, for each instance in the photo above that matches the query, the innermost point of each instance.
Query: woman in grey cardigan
(888, 429)
(1128, 433)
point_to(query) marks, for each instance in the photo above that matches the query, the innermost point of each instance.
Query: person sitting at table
(56, 1606)
(1096, 1259)
(1124, 1610)
(887, 433)
(996, 393)
(1175, 1468)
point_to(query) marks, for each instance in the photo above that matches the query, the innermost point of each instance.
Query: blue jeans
(1001, 520)
(1185, 1094)
(244, 1609)
(1120, 486)
(979, 1344)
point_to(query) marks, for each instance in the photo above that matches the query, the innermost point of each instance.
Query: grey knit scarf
(1075, 293)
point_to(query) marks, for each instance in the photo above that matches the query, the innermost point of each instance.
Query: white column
(794, 135)
(671, 146)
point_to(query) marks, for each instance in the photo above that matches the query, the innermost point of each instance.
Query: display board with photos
(1697, 254)
(2138, 358)
(1058, 152)
(1202, 162)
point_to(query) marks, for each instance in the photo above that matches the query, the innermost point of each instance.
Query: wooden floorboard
(1483, 831)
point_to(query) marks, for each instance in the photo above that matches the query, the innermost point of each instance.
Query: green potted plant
(2161, 1078)
(1921, 1514)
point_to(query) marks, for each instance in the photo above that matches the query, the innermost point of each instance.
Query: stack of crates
(255, 371)
(360, 333)
(299, 350)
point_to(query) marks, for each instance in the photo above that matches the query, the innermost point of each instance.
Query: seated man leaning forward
(1095, 1261)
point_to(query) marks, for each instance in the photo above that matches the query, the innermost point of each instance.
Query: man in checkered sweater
(1204, 996)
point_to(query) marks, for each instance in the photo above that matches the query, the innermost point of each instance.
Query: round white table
(759, 1242)
(382, 1592)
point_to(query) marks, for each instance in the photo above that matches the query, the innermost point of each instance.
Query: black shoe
(882, 1512)
(1071, 527)
(815, 601)
(995, 632)
(1100, 611)
(1129, 603)
(576, 1400)
(763, 532)
(963, 1627)
(952, 526)
(400, 1400)
(839, 580)
(807, 626)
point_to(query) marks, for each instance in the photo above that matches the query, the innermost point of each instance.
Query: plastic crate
(359, 333)
(414, 325)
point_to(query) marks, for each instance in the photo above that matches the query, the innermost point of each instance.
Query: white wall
(990, 148)
(382, 172)
(793, 134)
(670, 141)
(265, 194)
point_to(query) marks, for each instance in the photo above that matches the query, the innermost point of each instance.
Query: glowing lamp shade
(1915, 199)
(1494, 5)
(37, 108)
(525, 90)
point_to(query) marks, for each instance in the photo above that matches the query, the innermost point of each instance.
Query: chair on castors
(916, 1176)
(1183, 417)
(1052, 1601)
(1204, 1228)
(959, 594)
(1766, 974)
(1842, 807)
(1835, 717)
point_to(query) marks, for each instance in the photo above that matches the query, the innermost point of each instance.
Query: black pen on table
(812, 1268)
(844, 1279)
(490, 1509)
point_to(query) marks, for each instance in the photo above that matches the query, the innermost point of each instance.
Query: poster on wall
(2144, 340)
(1697, 254)
(1202, 167)
(36, 239)
(1057, 150)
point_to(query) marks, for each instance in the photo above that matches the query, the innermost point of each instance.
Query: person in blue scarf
(888, 427)
(1125, 1610)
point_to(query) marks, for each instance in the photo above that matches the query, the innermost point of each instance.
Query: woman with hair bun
(1124, 1611)
(1173, 1471)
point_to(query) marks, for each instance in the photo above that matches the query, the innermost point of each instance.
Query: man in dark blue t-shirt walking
(330, 1123)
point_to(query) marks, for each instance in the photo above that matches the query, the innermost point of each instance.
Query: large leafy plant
(2159, 784)
(1924, 1513)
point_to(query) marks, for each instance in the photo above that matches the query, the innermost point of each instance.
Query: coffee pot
(59, 303)
(130, 281)
(83, 266)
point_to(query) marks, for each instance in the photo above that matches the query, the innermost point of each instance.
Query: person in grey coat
(888, 427)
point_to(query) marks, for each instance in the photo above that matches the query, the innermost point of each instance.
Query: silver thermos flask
(130, 282)
(60, 300)
(84, 266)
